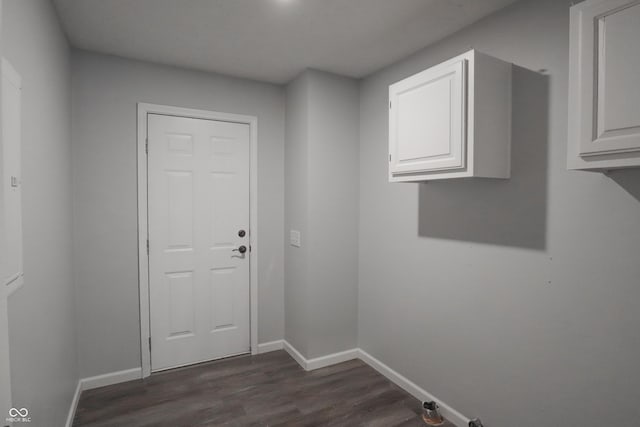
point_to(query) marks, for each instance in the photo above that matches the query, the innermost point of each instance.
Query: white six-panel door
(198, 199)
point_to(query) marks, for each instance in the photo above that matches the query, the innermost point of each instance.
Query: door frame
(144, 109)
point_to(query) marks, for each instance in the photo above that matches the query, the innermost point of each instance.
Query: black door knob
(242, 233)
(242, 249)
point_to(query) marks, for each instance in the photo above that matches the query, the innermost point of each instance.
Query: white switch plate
(294, 238)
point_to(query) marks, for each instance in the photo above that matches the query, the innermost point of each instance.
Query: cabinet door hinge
(147, 246)
(146, 146)
(389, 158)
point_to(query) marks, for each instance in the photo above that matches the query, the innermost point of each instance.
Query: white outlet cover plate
(294, 238)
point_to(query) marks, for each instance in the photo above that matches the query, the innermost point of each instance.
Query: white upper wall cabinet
(451, 121)
(604, 85)
(11, 272)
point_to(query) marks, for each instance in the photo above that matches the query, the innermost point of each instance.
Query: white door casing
(199, 178)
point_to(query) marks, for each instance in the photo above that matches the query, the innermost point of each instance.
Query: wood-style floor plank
(265, 390)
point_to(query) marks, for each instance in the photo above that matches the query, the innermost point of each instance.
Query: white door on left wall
(199, 253)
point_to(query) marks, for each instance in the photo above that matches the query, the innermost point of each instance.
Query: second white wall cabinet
(452, 121)
(604, 85)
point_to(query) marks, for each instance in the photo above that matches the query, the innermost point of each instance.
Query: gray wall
(333, 113)
(41, 313)
(105, 92)
(516, 300)
(322, 202)
(296, 154)
(5, 369)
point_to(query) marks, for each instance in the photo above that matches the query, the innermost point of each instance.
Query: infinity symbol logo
(23, 412)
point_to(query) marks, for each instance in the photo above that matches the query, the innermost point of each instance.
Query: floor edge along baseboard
(74, 404)
(413, 389)
(321, 361)
(395, 377)
(307, 364)
(100, 381)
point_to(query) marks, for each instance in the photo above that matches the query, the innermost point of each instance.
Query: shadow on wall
(501, 212)
(629, 179)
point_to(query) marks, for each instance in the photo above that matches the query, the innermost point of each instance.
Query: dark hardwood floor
(265, 390)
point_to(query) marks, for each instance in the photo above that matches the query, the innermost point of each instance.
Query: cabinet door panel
(609, 75)
(427, 120)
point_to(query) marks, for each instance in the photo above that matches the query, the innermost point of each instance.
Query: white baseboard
(74, 405)
(297, 356)
(111, 378)
(266, 347)
(412, 388)
(331, 359)
(322, 361)
(100, 381)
